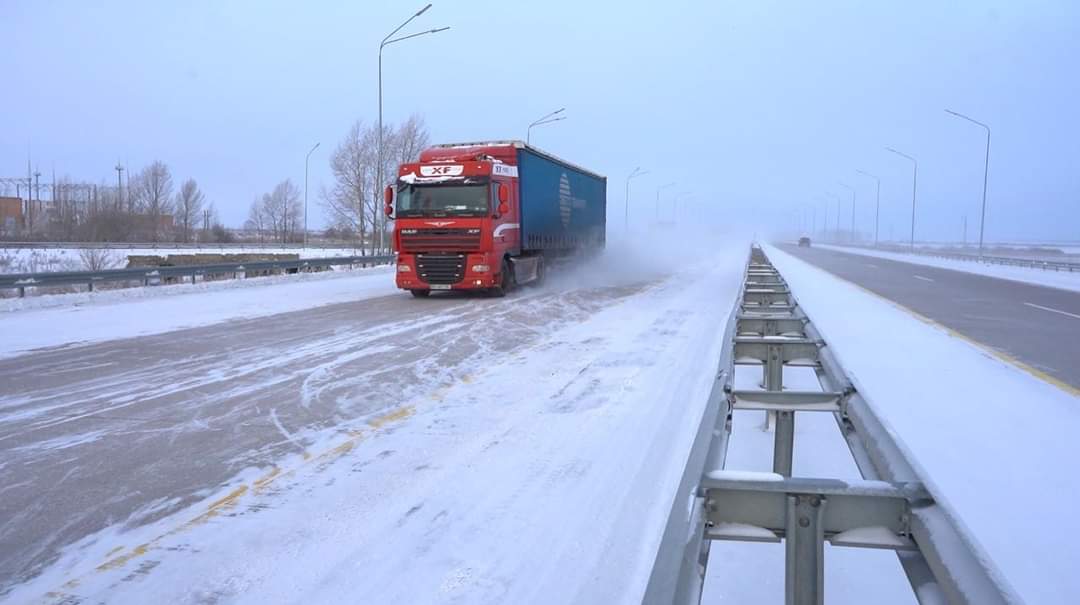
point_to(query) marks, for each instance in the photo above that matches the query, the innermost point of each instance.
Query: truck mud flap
(526, 268)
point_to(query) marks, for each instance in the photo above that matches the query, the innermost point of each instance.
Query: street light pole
(852, 190)
(626, 209)
(658, 189)
(306, 158)
(548, 119)
(877, 203)
(986, 172)
(386, 42)
(914, 187)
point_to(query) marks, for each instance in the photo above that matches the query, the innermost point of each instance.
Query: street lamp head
(441, 29)
(423, 10)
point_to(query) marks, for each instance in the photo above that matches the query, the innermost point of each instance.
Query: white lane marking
(922, 278)
(1073, 315)
(871, 266)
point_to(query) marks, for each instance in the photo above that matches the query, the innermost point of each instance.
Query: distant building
(11, 214)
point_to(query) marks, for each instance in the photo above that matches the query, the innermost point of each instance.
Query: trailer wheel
(420, 293)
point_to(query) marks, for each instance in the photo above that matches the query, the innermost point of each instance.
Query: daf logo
(442, 170)
(439, 223)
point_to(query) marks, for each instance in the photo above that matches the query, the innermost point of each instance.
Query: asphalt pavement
(1036, 325)
(128, 431)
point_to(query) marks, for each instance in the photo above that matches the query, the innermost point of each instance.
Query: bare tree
(97, 259)
(151, 194)
(278, 212)
(353, 169)
(257, 220)
(189, 203)
(355, 200)
(409, 140)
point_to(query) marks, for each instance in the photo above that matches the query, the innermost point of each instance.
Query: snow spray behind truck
(491, 215)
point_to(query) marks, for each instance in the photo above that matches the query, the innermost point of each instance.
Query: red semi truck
(488, 216)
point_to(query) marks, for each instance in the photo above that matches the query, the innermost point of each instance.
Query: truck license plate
(440, 286)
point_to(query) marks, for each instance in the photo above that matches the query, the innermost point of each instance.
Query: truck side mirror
(503, 208)
(388, 198)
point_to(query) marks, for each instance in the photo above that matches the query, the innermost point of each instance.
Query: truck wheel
(506, 281)
(420, 293)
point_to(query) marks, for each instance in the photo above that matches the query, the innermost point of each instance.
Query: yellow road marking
(232, 498)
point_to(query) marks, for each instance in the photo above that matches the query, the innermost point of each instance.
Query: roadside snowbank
(994, 440)
(1040, 277)
(67, 319)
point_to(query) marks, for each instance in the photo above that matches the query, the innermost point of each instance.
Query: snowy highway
(129, 463)
(1034, 324)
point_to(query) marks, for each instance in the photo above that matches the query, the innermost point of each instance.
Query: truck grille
(440, 240)
(441, 268)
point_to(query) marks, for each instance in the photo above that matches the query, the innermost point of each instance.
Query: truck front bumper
(408, 277)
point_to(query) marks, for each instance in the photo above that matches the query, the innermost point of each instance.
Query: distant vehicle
(804, 242)
(488, 216)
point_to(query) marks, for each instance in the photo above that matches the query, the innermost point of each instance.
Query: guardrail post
(804, 582)
(784, 442)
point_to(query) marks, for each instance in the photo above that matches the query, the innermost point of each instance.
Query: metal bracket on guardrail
(890, 508)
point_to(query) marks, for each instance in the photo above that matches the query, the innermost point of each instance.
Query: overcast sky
(758, 108)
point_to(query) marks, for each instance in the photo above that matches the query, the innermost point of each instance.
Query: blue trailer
(563, 207)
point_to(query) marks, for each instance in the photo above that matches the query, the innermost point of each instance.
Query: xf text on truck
(488, 216)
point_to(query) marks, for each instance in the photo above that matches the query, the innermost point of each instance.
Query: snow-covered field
(35, 260)
(995, 441)
(64, 319)
(544, 475)
(1040, 277)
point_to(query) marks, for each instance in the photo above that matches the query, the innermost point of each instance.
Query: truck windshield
(442, 200)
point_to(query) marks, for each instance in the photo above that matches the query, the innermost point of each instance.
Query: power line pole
(119, 187)
(37, 194)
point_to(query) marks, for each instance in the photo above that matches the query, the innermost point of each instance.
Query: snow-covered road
(1063, 280)
(391, 450)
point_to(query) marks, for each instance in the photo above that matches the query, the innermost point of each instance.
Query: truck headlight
(480, 268)
(404, 269)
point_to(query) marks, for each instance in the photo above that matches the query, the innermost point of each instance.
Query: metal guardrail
(178, 246)
(1015, 261)
(892, 507)
(154, 275)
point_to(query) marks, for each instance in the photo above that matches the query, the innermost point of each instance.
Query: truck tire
(506, 281)
(420, 293)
